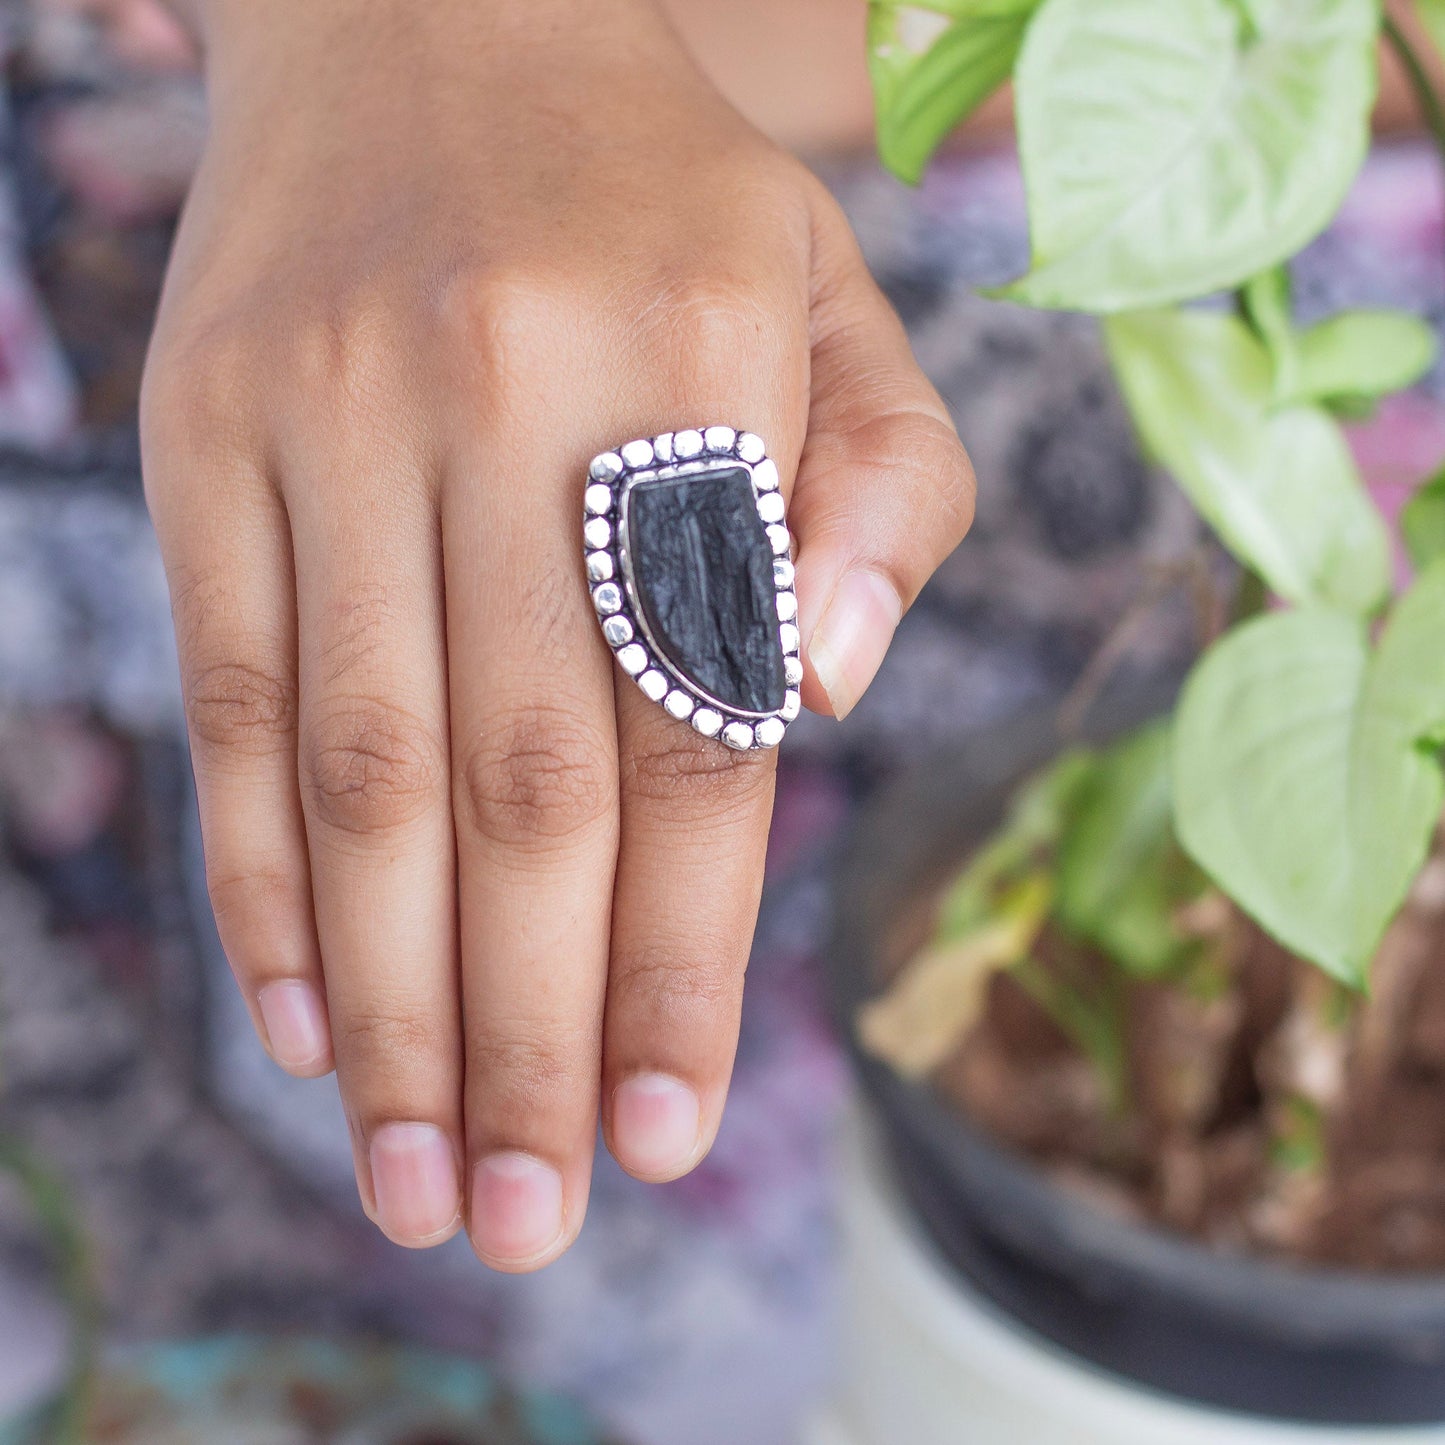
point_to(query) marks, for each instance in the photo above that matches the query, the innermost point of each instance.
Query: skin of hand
(435, 258)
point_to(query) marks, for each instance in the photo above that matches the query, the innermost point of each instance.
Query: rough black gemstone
(703, 570)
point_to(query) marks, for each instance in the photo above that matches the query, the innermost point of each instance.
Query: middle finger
(535, 779)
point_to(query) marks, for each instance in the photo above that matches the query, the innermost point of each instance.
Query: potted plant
(1146, 1013)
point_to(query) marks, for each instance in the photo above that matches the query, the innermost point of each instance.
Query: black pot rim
(1325, 1305)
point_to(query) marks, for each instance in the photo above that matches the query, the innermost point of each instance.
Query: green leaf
(1173, 149)
(932, 65)
(1422, 522)
(1307, 771)
(1278, 484)
(1031, 828)
(1362, 354)
(1122, 876)
(1432, 15)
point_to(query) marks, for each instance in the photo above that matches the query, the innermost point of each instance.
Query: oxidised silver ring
(690, 565)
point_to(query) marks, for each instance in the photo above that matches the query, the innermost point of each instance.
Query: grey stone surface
(704, 575)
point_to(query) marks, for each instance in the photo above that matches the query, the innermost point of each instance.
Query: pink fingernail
(296, 1027)
(656, 1122)
(516, 1208)
(414, 1177)
(848, 644)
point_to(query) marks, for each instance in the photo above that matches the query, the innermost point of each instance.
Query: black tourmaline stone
(703, 570)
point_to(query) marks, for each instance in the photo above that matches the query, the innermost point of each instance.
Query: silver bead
(662, 447)
(617, 630)
(600, 566)
(770, 732)
(597, 499)
(598, 532)
(782, 572)
(793, 670)
(687, 443)
(606, 468)
(770, 507)
(637, 454)
(719, 439)
(787, 606)
(765, 475)
(781, 543)
(792, 704)
(607, 598)
(738, 735)
(678, 703)
(633, 658)
(707, 722)
(654, 684)
(788, 636)
(751, 448)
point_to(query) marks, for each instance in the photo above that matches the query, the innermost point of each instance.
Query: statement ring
(690, 566)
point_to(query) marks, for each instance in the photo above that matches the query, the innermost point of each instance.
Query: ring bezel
(611, 578)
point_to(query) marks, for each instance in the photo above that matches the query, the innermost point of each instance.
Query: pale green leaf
(1175, 149)
(1269, 306)
(932, 65)
(1362, 354)
(1278, 484)
(1422, 522)
(1307, 771)
(1122, 877)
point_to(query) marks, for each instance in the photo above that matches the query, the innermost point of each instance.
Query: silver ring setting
(689, 563)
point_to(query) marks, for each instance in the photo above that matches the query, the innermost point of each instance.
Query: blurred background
(180, 1189)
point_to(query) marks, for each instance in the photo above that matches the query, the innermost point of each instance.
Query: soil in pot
(1261, 1115)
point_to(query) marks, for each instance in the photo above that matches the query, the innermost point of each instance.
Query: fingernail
(848, 644)
(655, 1125)
(414, 1178)
(516, 1208)
(295, 1020)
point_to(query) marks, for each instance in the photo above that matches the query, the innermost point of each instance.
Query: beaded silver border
(614, 591)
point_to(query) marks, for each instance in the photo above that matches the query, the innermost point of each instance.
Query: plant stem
(1429, 102)
(1248, 28)
(1094, 1023)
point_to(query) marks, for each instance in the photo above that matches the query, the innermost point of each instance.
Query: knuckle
(717, 320)
(539, 776)
(391, 1041)
(348, 350)
(508, 312)
(370, 766)
(944, 459)
(529, 1067)
(250, 902)
(510, 326)
(678, 986)
(695, 776)
(241, 707)
(928, 447)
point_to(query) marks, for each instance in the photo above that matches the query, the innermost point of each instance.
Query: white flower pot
(928, 1361)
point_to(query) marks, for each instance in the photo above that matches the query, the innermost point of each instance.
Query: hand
(435, 258)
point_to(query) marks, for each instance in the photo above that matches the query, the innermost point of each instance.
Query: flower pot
(929, 1360)
(1234, 1333)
